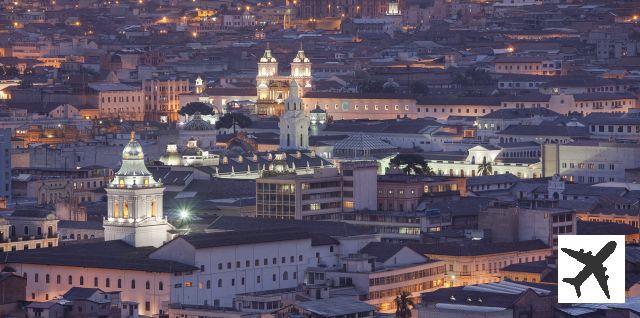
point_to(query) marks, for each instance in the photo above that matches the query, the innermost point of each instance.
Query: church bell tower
(135, 213)
(294, 123)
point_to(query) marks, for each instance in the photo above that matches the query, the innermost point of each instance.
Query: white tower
(294, 123)
(267, 70)
(134, 198)
(301, 71)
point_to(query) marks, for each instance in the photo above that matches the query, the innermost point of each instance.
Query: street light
(184, 214)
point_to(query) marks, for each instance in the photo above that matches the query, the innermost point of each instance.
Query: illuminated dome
(267, 57)
(198, 124)
(133, 172)
(300, 57)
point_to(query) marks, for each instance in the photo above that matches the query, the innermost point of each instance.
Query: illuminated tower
(301, 71)
(294, 123)
(267, 70)
(134, 199)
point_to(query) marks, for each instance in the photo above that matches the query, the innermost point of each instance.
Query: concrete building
(161, 98)
(590, 161)
(120, 101)
(317, 195)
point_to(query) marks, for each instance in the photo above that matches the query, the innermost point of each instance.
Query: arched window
(154, 208)
(219, 282)
(46, 278)
(50, 231)
(119, 283)
(125, 209)
(70, 279)
(81, 280)
(285, 275)
(107, 282)
(133, 284)
(58, 279)
(147, 285)
(95, 282)
(160, 286)
(116, 209)
(208, 284)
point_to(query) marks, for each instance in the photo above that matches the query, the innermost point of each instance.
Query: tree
(485, 168)
(231, 119)
(371, 86)
(419, 87)
(196, 107)
(403, 305)
(412, 164)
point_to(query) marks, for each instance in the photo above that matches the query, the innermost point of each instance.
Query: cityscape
(320, 158)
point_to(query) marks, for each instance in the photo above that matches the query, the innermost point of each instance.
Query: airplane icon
(593, 265)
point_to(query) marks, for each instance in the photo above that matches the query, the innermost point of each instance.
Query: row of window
(107, 281)
(256, 262)
(232, 282)
(590, 166)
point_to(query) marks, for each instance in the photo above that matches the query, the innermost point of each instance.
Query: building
(375, 106)
(294, 122)
(380, 272)
(318, 195)
(5, 167)
(530, 65)
(120, 101)
(134, 200)
(273, 88)
(12, 292)
(82, 302)
(403, 193)
(161, 98)
(477, 262)
(590, 161)
(493, 300)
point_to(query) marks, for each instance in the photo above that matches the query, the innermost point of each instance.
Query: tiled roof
(362, 142)
(111, 254)
(474, 248)
(230, 238)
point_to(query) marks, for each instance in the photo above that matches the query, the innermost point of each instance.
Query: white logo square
(590, 267)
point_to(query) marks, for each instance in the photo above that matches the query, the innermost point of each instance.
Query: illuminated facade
(135, 213)
(273, 88)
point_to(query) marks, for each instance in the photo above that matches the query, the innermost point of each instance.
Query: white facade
(44, 282)
(294, 123)
(134, 201)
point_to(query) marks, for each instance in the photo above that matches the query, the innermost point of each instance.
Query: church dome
(198, 124)
(133, 172)
(267, 57)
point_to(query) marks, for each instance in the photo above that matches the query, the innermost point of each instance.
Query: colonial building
(161, 98)
(273, 88)
(294, 123)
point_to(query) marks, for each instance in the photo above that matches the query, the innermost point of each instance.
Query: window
(58, 279)
(133, 284)
(285, 275)
(95, 282)
(208, 284)
(274, 277)
(219, 282)
(35, 277)
(46, 278)
(147, 306)
(274, 261)
(258, 279)
(233, 282)
(160, 286)
(219, 266)
(147, 285)
(119, 283)
(257, 262)
(70, 280)
(107, 282)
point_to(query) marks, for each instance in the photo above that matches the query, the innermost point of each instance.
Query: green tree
(485, 168)
(419, 87)
(403, 305)
(412, 164)
(231, 119)
(196, 107)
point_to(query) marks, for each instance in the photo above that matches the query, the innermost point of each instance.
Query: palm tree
(485, 168)
(403, 305)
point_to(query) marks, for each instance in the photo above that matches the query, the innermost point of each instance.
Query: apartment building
(161, 98)
(590, 161)
(120, 101)
(318, 195)
(380, 272)
(530, 65)
(470, 262)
